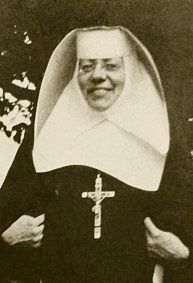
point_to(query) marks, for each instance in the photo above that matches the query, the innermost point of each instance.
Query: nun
(115, 210)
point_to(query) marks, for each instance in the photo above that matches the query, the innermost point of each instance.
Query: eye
(111, 66)
(87, 68)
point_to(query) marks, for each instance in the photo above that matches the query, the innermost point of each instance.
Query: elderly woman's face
(101, 81)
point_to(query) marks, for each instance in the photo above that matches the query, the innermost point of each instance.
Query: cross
(98, 196)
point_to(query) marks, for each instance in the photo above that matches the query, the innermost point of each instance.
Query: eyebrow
(104, 59)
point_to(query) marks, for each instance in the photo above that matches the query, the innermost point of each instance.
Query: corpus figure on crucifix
(98, 196)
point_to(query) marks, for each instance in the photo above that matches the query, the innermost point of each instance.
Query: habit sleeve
(19, 195)
(173, 206)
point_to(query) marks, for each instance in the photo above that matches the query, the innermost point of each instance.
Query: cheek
(83, 81)
(119, 81)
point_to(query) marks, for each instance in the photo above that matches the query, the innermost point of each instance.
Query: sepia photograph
(96, 141)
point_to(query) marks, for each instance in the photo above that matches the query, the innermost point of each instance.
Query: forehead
(102, 43)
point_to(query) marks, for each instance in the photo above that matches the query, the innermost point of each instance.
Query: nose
(98, 74)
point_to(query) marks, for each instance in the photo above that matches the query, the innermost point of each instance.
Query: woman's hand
(27, 230)
(164, 245)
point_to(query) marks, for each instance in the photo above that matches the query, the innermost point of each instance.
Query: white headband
(98, 44)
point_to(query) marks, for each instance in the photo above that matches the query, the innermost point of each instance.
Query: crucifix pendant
(98, 196)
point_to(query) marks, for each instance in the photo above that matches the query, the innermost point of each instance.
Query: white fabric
(116, 152)
(101, 44)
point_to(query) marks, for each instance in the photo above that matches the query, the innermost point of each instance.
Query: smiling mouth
(99, 91)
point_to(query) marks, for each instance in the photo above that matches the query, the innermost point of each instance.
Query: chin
(99, 107)
(100, 104)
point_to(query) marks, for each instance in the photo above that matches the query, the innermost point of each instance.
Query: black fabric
(20, 194)
(70, 251)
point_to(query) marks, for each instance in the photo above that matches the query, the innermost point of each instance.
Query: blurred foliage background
(31, 29)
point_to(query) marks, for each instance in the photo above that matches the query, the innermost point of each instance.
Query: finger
(27, 217)
(29, 220)
(150, 242)
(39, 220)
(38, 238)
(151, 228)
(36, 241)
(38, 230)
(36, 245)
